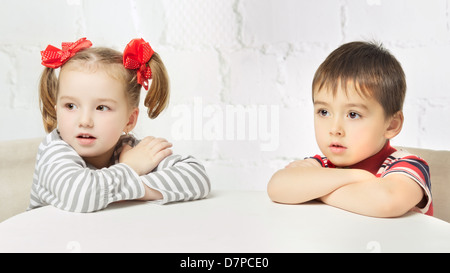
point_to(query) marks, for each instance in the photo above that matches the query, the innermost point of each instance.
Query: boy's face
(349, 128)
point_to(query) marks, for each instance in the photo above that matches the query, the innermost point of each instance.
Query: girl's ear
(395, 125)
(132, 120)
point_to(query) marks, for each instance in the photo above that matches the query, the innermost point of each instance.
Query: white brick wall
(226, 58)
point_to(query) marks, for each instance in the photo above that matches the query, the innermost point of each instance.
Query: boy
(358, 94)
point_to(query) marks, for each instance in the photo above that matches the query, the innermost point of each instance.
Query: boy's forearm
(391, 197)
(367, 198)
(302, 184)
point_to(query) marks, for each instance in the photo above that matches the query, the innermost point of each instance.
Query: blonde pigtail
(47, 98)
(157, 97)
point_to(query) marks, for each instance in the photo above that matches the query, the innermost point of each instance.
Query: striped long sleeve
(178, 178)
(63, 179)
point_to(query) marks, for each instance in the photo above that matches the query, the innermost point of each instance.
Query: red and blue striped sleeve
(418, 170)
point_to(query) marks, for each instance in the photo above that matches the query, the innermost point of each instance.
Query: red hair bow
(54, 57)
(136, 55)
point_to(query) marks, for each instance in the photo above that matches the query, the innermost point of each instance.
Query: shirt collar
(373, 163)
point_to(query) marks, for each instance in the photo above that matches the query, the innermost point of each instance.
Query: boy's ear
(132, 120)
(395, 125)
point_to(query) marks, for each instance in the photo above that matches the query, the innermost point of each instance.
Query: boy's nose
(336, 128)
(337, 133)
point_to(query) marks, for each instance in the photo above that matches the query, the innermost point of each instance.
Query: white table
(227, 221)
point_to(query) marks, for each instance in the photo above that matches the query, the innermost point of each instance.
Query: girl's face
(92, 113)
(348, 127)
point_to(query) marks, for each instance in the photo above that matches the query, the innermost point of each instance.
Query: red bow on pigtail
(136, 56)
(54, 57)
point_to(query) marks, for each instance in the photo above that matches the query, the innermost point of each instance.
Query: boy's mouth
(337, 148)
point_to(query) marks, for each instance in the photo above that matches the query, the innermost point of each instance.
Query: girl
(88, 160)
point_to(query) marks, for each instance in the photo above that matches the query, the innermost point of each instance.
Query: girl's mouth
(85, 136)
(86, 139)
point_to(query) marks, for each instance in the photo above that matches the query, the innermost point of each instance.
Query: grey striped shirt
(63, 179)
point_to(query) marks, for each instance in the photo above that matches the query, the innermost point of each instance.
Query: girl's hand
(309, 162)
(145, 156)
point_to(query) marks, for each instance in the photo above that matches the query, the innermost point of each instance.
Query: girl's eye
(70, 106)
(353, 115)
(102, 108)
(323, 113)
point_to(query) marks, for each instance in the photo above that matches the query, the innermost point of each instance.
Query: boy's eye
(323, 113)
(102, 108)
(354, 115)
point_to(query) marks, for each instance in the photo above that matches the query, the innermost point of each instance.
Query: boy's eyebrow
(348, 105)
(320, 102)
(358, 105)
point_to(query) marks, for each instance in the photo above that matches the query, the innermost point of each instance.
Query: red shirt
(390, 160)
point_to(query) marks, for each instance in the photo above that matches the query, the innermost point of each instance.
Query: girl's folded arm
(178, 178)
(63, 180)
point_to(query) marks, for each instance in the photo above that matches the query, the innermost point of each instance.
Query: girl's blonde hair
(111, 61)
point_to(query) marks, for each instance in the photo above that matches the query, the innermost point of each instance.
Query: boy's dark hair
(369, 68)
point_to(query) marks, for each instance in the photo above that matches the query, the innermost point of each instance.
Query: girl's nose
(86, 119)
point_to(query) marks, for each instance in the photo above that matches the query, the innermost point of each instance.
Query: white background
(235, 55)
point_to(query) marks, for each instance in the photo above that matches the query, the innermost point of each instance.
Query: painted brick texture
(240, 70)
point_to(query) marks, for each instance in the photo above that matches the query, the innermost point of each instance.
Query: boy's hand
(309, 162)
(145, 156)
